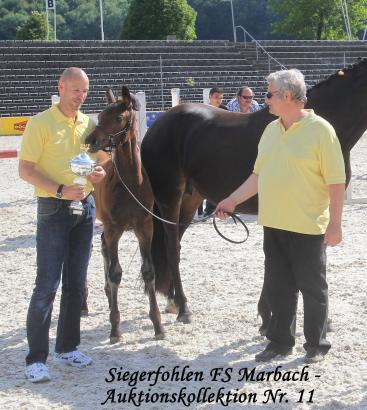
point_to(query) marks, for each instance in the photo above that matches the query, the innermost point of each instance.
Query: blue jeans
(64, 245)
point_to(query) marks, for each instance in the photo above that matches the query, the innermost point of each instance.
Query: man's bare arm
(333, 234)
(245, 191)
(28, 172)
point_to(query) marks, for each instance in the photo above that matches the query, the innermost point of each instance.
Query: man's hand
(73, 192)
(333, 234)
(225, 206)
(97, 175)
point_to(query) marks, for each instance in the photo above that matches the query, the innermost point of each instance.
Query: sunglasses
(247, 97)
(269, 94)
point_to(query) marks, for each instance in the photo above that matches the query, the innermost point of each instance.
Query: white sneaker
(37, 372)
(75, 359)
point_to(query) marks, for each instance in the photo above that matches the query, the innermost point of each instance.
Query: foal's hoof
(185, 318)
(160, 336)
(84, 312)
(114, 339)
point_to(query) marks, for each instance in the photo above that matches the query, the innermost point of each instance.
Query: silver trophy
(81, 165)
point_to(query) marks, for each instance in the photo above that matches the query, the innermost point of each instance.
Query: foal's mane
(343, 72)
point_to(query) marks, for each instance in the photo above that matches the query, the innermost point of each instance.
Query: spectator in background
(244, 101)
(216, 98)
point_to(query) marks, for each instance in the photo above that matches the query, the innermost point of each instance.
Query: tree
(80, 19)
(76, 19)
(156, 19)
(214, 20)
(317, 20)
(13, 15)
(35, 28)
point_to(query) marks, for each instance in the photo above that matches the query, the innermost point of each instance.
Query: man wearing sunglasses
(244, 101)
(300, 179)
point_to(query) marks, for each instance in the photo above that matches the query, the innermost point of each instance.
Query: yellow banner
(13, 125)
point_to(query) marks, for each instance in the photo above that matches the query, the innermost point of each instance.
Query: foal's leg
(113, 272)
(189, 205)
(106, 264)
(183, 211)
(171, 306)
(144, 232)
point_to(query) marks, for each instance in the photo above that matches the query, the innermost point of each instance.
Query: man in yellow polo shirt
(51, 139)
(300, 179)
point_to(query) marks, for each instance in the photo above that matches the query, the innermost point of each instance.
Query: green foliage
(35, 28)
(80, 19)
(76, 19)
(318, 20)
(156, 19)
(190, 81)
(14, 14)
(214, 19)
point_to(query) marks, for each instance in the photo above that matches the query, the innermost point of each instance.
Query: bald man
(64, 239)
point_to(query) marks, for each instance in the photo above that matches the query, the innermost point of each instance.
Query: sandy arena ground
(222, 283)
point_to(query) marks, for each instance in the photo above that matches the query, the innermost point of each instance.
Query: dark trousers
(296, 262)
(63, 246)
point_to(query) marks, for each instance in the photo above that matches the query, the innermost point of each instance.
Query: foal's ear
(110, 96)
(128, 98)
(125, 96)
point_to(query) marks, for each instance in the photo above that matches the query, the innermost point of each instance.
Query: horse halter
(112, 142)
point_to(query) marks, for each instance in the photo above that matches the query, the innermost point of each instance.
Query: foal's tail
(163, 276)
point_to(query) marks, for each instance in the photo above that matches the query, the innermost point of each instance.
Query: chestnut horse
(117, 209)
(196, 151)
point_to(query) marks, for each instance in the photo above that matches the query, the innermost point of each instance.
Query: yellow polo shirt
(51, 140)
(295, 167)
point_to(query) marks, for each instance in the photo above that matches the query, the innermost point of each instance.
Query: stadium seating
(29, 70)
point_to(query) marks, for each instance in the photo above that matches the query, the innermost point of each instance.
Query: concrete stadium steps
(213, 76)
(308, 54)
(56, 50)
(13, 105)
(123, 55)
(116, 68)
(129, 64)
(318, 53)
(115, 43)
(311, 43)
(29, 70)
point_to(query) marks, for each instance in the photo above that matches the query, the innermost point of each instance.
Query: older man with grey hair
(300, 179)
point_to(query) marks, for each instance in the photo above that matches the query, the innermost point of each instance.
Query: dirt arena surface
(222, 282)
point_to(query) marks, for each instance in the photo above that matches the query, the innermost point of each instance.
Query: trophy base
(76, 208)
(76, 212)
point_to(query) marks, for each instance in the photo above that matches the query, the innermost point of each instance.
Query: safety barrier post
(141, 116)
(175, 92)
(206, 95)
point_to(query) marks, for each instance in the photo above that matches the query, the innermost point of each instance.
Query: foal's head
(116, 122)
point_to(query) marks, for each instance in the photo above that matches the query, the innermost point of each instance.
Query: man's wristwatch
(59, 191)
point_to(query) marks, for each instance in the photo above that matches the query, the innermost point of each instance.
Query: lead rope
(212, 215)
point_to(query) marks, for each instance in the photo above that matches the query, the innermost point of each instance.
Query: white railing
(258, 45)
